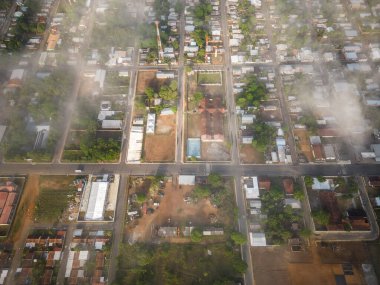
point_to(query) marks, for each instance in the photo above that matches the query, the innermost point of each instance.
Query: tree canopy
(253, 93)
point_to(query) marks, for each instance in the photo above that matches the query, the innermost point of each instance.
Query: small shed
(258, 239)
(186, 179)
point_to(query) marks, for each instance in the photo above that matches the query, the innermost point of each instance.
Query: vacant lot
(193, 122)
(248, 154)
(315, 266)
(161, 145)
(176, 206)
(215, 151)
(102, 145)
(172, 211)
(179, 264)
(56, 192)
(147, 78)
(304, 143)
(209, 78)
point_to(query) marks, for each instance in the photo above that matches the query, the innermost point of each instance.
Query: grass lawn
(179, 264)
(55, 195)
(209, 78)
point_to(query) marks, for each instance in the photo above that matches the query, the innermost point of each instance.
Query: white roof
(57, 255)
(83, 255)
(251, 187)
(2, 131)
(376, 149)
(111, 124)
(294, 203)
(186, 179)
(151, 123)
(96, 201)
(258, 239)
(255, 204)
(135, 144)
(315, 139)
(17, 74)
(103, 114)
(100, 76)
(321, 185)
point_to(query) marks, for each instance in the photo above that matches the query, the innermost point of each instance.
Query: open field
(204, 78)
(315, 265)
(56, 194)
(173, 211)
(175, 206)
(160, 147)
(179, 264)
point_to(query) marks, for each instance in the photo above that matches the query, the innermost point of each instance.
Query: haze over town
(189, 142)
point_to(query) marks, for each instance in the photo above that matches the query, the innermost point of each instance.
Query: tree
(310, 122)
(202, 10)
(239, 265)
(169, 92)
(308, 181)
(253, 93)
(197, 97)
(201, 192)
(321, 179)
(305, 233)
(149, 92)
(238, 238)
(263, 134)
(321, 217)
(196, 235)
(299, 195)
(215, 180)
(141, 198)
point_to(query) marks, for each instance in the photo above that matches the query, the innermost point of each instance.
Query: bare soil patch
(165, 124)
(26, 208)
(215, 151)
(173, 211)
(161, 146)
(193, 123)
(147, 78)
(304, 143)
(248, 154)
(315, 266)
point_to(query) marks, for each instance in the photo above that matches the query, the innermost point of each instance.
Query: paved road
(118, 226)
(235, 159)
(7, 22)
(71, 104)
(192, 168)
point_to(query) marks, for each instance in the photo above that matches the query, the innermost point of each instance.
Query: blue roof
(193, 147)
